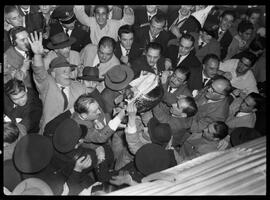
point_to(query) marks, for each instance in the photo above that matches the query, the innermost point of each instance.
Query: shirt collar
(151, 37)
(27, 10)
(23, 53)
(241, 114)
(124, 51)
(148, 14)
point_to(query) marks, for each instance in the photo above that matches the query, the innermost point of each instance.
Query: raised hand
(82, 163)
(36, 43)
(131, 109)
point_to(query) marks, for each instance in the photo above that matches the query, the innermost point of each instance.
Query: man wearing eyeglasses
(213, 104)
(240, 71)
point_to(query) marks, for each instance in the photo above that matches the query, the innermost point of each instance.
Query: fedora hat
(151, 158)
(118, 77)
(66, 135)
(90, 74)
(32, 186)
(58, 62)
(60, 40)
(32, 153)
(160, 133)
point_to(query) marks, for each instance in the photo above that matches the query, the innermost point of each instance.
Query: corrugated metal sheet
(237, 171)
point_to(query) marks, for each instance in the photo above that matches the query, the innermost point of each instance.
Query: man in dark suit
(126, 50)
(22, 105)
(152, 61)
(153, 33)
(205, 43)
(65, 20)
(182, 55)
(181, 21)
(144, 15)
(222, 33)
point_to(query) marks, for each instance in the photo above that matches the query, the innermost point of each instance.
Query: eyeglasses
(211, 89)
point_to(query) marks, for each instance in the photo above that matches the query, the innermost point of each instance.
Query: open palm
(36, 43)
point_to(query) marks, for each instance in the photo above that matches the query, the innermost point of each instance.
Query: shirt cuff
(114, 123)
(131, 129)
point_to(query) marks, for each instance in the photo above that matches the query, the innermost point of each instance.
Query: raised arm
(81, 15)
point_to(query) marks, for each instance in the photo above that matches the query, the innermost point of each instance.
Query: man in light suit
(57, 91)
(213, 104)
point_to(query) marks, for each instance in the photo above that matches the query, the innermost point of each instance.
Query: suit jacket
(109, 95)
(94, 135)
(142, 37)
(51, 96)
(213, 47)
(141, 17)
(16, 60)
(208, 112)
(134, 53)
(190, 25)
(171, 98)
(80, 32)
(30, 113)
(191, 61)
(224, 42)
(141, 64)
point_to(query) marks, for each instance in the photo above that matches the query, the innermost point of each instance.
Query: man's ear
(254, 109)
(118, 38)
(53, 73)
(26, 89)
(184, 115)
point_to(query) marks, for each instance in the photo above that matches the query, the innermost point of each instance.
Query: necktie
(201, 45)
(220, 34)
(204, 81)
(67, 32)
(170, 89)
(149, 18)
(65, 98)
(180, 21)
(26, 12)
(178, 59)
(127, 52)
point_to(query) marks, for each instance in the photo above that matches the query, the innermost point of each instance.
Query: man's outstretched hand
(36, 43)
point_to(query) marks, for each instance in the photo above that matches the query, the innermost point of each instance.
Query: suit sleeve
(82, 16)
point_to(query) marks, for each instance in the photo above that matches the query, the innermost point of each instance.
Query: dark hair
(103, 6)
(259, 100)
(9, 9)
(82, 103)
(250, 11)
(184, 70)
(14, 31)
(154, 45)
(222, 130)
(228, 12)
(192, 108)
(210, 56)
(159, 18)
(14, 87)
(107, 41)
(244, 26)
(125, 29)
(188, 37)
(11, 132)
(250, 56)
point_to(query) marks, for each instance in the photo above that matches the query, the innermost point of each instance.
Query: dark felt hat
(64, 13)
(119, 77)
(32, 153)
(241, 135)
(160, 133)
(151, 158)
(58, 62)
(90, 74)
(66, 135)
(60, 40)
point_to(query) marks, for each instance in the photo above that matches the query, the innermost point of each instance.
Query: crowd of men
(68, 126)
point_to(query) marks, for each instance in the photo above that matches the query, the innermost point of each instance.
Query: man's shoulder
(91, 47)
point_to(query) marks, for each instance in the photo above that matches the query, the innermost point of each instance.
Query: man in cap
(60, 45)
(57, 91)
(205, 43)
(100, 25)
(65, 21)
(90, 79)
